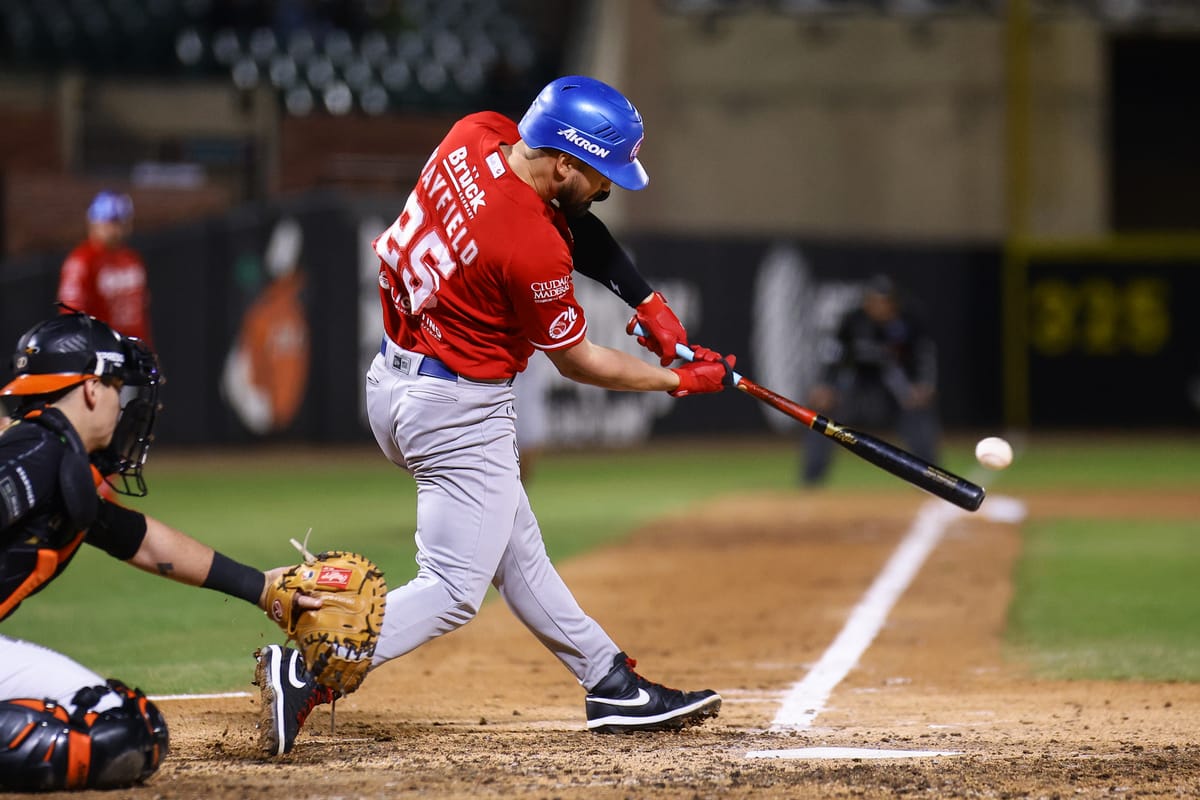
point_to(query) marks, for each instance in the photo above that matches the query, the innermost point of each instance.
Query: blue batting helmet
(110, 207)
(591, 121)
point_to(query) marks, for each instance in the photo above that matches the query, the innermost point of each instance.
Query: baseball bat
(899, 462)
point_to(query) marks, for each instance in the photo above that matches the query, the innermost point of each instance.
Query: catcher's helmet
(64, 351)
(591, 121)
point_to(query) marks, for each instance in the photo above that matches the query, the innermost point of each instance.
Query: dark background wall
(204, 275)
(873, 142)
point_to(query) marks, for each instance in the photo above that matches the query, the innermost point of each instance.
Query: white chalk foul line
(807, 698)
(219, 696)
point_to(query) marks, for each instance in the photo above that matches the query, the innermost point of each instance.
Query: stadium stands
(355, 55)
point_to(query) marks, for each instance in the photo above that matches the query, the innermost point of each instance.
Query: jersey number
(421, 264)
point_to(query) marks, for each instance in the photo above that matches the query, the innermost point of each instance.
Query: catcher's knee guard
(43, 747)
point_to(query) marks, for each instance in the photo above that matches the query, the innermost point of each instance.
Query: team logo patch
(8, 493)
(495, 163)
(334, 577)
(563, 323)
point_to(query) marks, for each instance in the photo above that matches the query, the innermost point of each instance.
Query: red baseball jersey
(476, 270)
(109, 284)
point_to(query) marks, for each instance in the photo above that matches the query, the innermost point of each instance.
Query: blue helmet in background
(592, 121)
(110, 207)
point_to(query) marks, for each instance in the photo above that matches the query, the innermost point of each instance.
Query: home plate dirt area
(751, 596)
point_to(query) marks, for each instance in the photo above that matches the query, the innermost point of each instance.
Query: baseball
(994, 452)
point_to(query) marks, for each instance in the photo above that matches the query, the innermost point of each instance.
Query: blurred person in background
(102, 276)
(879, 373)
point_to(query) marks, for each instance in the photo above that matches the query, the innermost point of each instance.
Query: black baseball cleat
(289, 694)
(625, 702)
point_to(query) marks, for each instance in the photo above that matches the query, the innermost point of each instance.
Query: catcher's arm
(153, 546)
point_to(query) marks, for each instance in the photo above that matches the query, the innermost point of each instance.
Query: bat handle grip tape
(682, 350)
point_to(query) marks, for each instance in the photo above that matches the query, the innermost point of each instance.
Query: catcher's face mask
(122, 461)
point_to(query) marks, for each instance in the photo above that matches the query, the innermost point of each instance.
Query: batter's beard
(574, 207)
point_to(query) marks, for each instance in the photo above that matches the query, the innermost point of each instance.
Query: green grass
(1101, 598)
(170, 638)
(167, 637)
(1109, 599)
(1102, 460)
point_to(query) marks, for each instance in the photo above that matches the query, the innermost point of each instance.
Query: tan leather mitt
(338, 639)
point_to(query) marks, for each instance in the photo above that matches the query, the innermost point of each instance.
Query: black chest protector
(47, 502)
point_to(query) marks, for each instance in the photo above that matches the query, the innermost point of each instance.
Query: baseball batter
(475, 274)
(85, 399)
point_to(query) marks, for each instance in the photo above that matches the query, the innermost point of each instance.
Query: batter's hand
(663, 330)
(700, 353)
(704, 376)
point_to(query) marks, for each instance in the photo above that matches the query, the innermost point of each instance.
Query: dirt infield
(743, 596)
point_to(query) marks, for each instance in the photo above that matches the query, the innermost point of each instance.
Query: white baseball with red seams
(994, 452)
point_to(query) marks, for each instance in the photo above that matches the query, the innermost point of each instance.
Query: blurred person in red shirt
(103, 277)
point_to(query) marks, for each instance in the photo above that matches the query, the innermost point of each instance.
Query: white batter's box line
(852, 753)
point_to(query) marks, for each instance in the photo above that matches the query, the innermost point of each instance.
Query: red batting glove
(704, 354)
(663, 329)
(702, 377)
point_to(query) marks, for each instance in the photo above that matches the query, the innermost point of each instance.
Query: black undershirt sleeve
(598, 256)
(117, 530)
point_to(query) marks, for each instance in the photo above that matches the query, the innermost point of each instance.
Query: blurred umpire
(880, 372)
(84, 400)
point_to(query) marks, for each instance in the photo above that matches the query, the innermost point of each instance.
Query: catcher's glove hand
(338, 638)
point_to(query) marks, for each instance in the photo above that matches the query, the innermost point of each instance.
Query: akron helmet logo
(563, 323)
(576, 138)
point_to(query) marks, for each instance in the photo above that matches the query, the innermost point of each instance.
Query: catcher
(84, 399)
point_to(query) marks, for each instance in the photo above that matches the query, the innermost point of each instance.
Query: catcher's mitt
(338, 639)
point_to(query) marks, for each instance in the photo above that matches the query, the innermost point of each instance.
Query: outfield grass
(1109, 599)
(169, 638)
(1100, 460)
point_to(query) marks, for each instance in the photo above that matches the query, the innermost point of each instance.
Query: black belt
(434, 368)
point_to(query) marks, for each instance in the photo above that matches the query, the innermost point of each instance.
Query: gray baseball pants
(474, 523)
